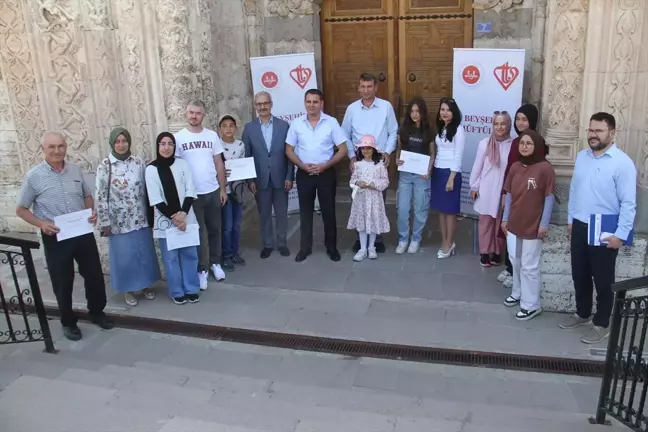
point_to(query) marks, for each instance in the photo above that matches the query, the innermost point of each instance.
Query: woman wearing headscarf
(486, 181)
(528, 205)
(122, 214)
(526, 117)
(171, 192)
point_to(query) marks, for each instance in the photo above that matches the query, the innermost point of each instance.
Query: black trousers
(592, 266)
(60, 257)
(324, 185)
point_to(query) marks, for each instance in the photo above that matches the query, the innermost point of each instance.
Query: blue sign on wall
(484, 27)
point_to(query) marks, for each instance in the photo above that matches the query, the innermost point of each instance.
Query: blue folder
(604, 223)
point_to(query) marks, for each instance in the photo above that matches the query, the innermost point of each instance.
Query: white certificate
(414, 163)
(241, 169)
(73, 224)
(176, 239)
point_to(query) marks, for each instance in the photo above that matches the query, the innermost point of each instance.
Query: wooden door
(357, 36)
(428, 30)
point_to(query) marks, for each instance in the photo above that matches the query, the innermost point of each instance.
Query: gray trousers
(266, 199)
(208, 212)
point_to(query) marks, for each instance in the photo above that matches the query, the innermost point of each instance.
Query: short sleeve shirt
(315, 145)
(198, 150)
(53, 193)
(528, 185)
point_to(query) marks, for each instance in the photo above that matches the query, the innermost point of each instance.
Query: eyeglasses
(596, 131)
(500, 112)
(262, 104)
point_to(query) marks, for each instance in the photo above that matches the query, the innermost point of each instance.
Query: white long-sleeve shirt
(450, 153)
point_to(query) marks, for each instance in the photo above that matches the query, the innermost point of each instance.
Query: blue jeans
(412, 186)
(232, 216)
(180, 266)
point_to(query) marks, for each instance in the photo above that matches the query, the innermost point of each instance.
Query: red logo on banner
(269, 80)
(506, 75)
(471, 75)
(301, 75)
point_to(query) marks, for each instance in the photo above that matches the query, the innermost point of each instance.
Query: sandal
(150, 295)
(130, 299)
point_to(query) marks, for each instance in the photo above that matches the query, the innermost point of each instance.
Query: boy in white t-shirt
(201, 148)
(232, 213)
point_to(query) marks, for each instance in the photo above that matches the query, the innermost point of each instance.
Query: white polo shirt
(315, 145)
(198, 150)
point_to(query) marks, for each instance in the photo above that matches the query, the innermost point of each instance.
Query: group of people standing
(185, 188)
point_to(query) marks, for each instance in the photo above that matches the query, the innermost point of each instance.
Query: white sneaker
(401, 248)
(219, 274)
(372, 253)
(360, 255)
(502, 276)
(508, 282)
(202, 277)
(413, 247)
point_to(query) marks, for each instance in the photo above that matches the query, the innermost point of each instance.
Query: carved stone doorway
(407, 44)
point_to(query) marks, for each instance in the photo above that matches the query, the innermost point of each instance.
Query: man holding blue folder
(602, 203)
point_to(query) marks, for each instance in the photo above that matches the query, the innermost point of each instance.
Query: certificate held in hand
(240, 169)
(414, 163)
(176, 239)
(73, 224)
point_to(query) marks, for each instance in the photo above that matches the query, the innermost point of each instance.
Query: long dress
(133, 261)
(368, 207)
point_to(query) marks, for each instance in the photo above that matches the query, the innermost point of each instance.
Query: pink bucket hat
(367, 141)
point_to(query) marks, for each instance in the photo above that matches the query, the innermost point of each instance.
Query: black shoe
(73, 333)
(334, 255)
(302, 255)
(228, 265)
(484, 260)
(495, 259)
(238, 260)
(265, 253)
(356, 246)
(284, 251)
(192, 298)
(180, 300)
(103, 321)
(380, 247)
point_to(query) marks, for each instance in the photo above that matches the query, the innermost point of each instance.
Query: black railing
(625, 383)
(19, 303)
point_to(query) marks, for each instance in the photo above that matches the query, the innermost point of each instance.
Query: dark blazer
(272, 167)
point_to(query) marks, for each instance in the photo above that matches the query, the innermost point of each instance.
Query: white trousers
(525, 258)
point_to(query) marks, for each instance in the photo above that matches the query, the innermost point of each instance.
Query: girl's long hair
(376, 156)
(451, 129)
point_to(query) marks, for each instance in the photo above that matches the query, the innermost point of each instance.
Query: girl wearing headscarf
(486, 181)
(122, 217)
(526, 117)
(171, 192)
(528, 205)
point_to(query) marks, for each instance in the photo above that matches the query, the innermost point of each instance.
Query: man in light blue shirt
(373, 116)
(604, 182)
(311, 144)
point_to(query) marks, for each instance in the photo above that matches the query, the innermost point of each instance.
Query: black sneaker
(180, 300)
(484, 260)
(511, 301)
(238, 260)
(73, 333)
(525, 315)
(380, 247)
(495, 259)
(103, 321)
(193, 298)
(228, 265)
(356, 246)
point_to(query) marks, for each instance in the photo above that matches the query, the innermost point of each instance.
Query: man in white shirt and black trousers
(201, 148)
(312, 142)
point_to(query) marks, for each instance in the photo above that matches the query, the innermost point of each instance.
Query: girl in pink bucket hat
(368, 214)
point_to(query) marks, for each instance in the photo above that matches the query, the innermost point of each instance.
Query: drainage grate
(354, 348)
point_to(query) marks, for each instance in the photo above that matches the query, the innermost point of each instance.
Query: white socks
(363, 239)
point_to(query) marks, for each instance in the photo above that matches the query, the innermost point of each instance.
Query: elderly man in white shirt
(311, 143)
(373, 116)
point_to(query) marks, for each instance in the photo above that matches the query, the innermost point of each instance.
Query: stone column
(565, 36)
(537, 52)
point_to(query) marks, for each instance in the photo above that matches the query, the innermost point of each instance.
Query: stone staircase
(124, 380)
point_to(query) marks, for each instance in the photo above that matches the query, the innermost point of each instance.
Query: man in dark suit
(265, 141)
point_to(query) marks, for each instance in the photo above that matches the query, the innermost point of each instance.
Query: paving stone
(179, 424)
(91, 378)
(322, 371)
(148, 395)
(129, 374)
(427, 425)
(377, 377)
(323, 302)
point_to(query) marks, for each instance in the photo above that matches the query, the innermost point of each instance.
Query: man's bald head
(54, 147)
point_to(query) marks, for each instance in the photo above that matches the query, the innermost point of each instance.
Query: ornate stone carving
(176, 61)
(54, 15)
(497, 5)
(564, 77)
(207, 73)
(19, 75)
(290, 47)
(290, 8)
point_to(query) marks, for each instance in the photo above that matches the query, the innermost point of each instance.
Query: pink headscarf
(492, 150)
